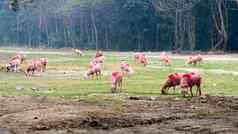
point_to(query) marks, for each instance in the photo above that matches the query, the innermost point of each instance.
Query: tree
(219, 15)
(138, 25)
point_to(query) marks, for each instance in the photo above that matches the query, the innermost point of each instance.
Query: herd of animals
(186, 81)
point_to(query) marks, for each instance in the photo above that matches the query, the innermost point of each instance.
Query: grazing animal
(78, 52)
(116, 80)
(164, 57)
(93, 63)
(44, 63)
(189, 80)
(31, 69)
(126, 68)
(199, 58)
(13, 64)
(19, 56)
(98, 54)
(194, 60)
(99, 59)
(141, 58)
(40, 64)
(94, 70)
(137, 55)
(172, 80)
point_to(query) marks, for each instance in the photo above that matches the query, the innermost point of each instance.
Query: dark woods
(138, 25)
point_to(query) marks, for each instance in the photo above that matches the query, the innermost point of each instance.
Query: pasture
(64, 75)
(63, 90)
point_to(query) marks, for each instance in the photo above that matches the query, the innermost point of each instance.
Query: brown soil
(134, 115)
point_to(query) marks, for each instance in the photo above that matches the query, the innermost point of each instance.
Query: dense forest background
(135, 25)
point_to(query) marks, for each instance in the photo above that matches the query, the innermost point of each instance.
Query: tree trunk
(94, 27)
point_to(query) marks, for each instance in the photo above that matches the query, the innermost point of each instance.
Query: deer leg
(121, 84)
(191, 91)
(117, 86)
(199, 90)
(166, 90)
(15, 68)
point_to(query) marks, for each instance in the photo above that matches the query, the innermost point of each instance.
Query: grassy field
(64, 76)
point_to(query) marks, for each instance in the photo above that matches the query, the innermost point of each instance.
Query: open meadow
(64, 75)
(61, 101)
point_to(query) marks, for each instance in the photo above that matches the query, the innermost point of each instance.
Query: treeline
(138, 25)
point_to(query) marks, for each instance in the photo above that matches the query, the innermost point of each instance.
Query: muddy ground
(134, 115)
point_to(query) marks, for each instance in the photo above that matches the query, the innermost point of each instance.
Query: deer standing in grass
(116, 81)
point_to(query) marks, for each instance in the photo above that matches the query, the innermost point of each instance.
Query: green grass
(145, 81)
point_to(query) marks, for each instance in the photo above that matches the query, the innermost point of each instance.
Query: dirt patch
(41, 115)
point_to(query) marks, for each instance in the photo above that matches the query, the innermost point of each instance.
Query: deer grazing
(188, 81)
(125, 67)
(141, 58)
(194, 60)
(78, 52)
(165, 58)
(94, 70)
(173, 80)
